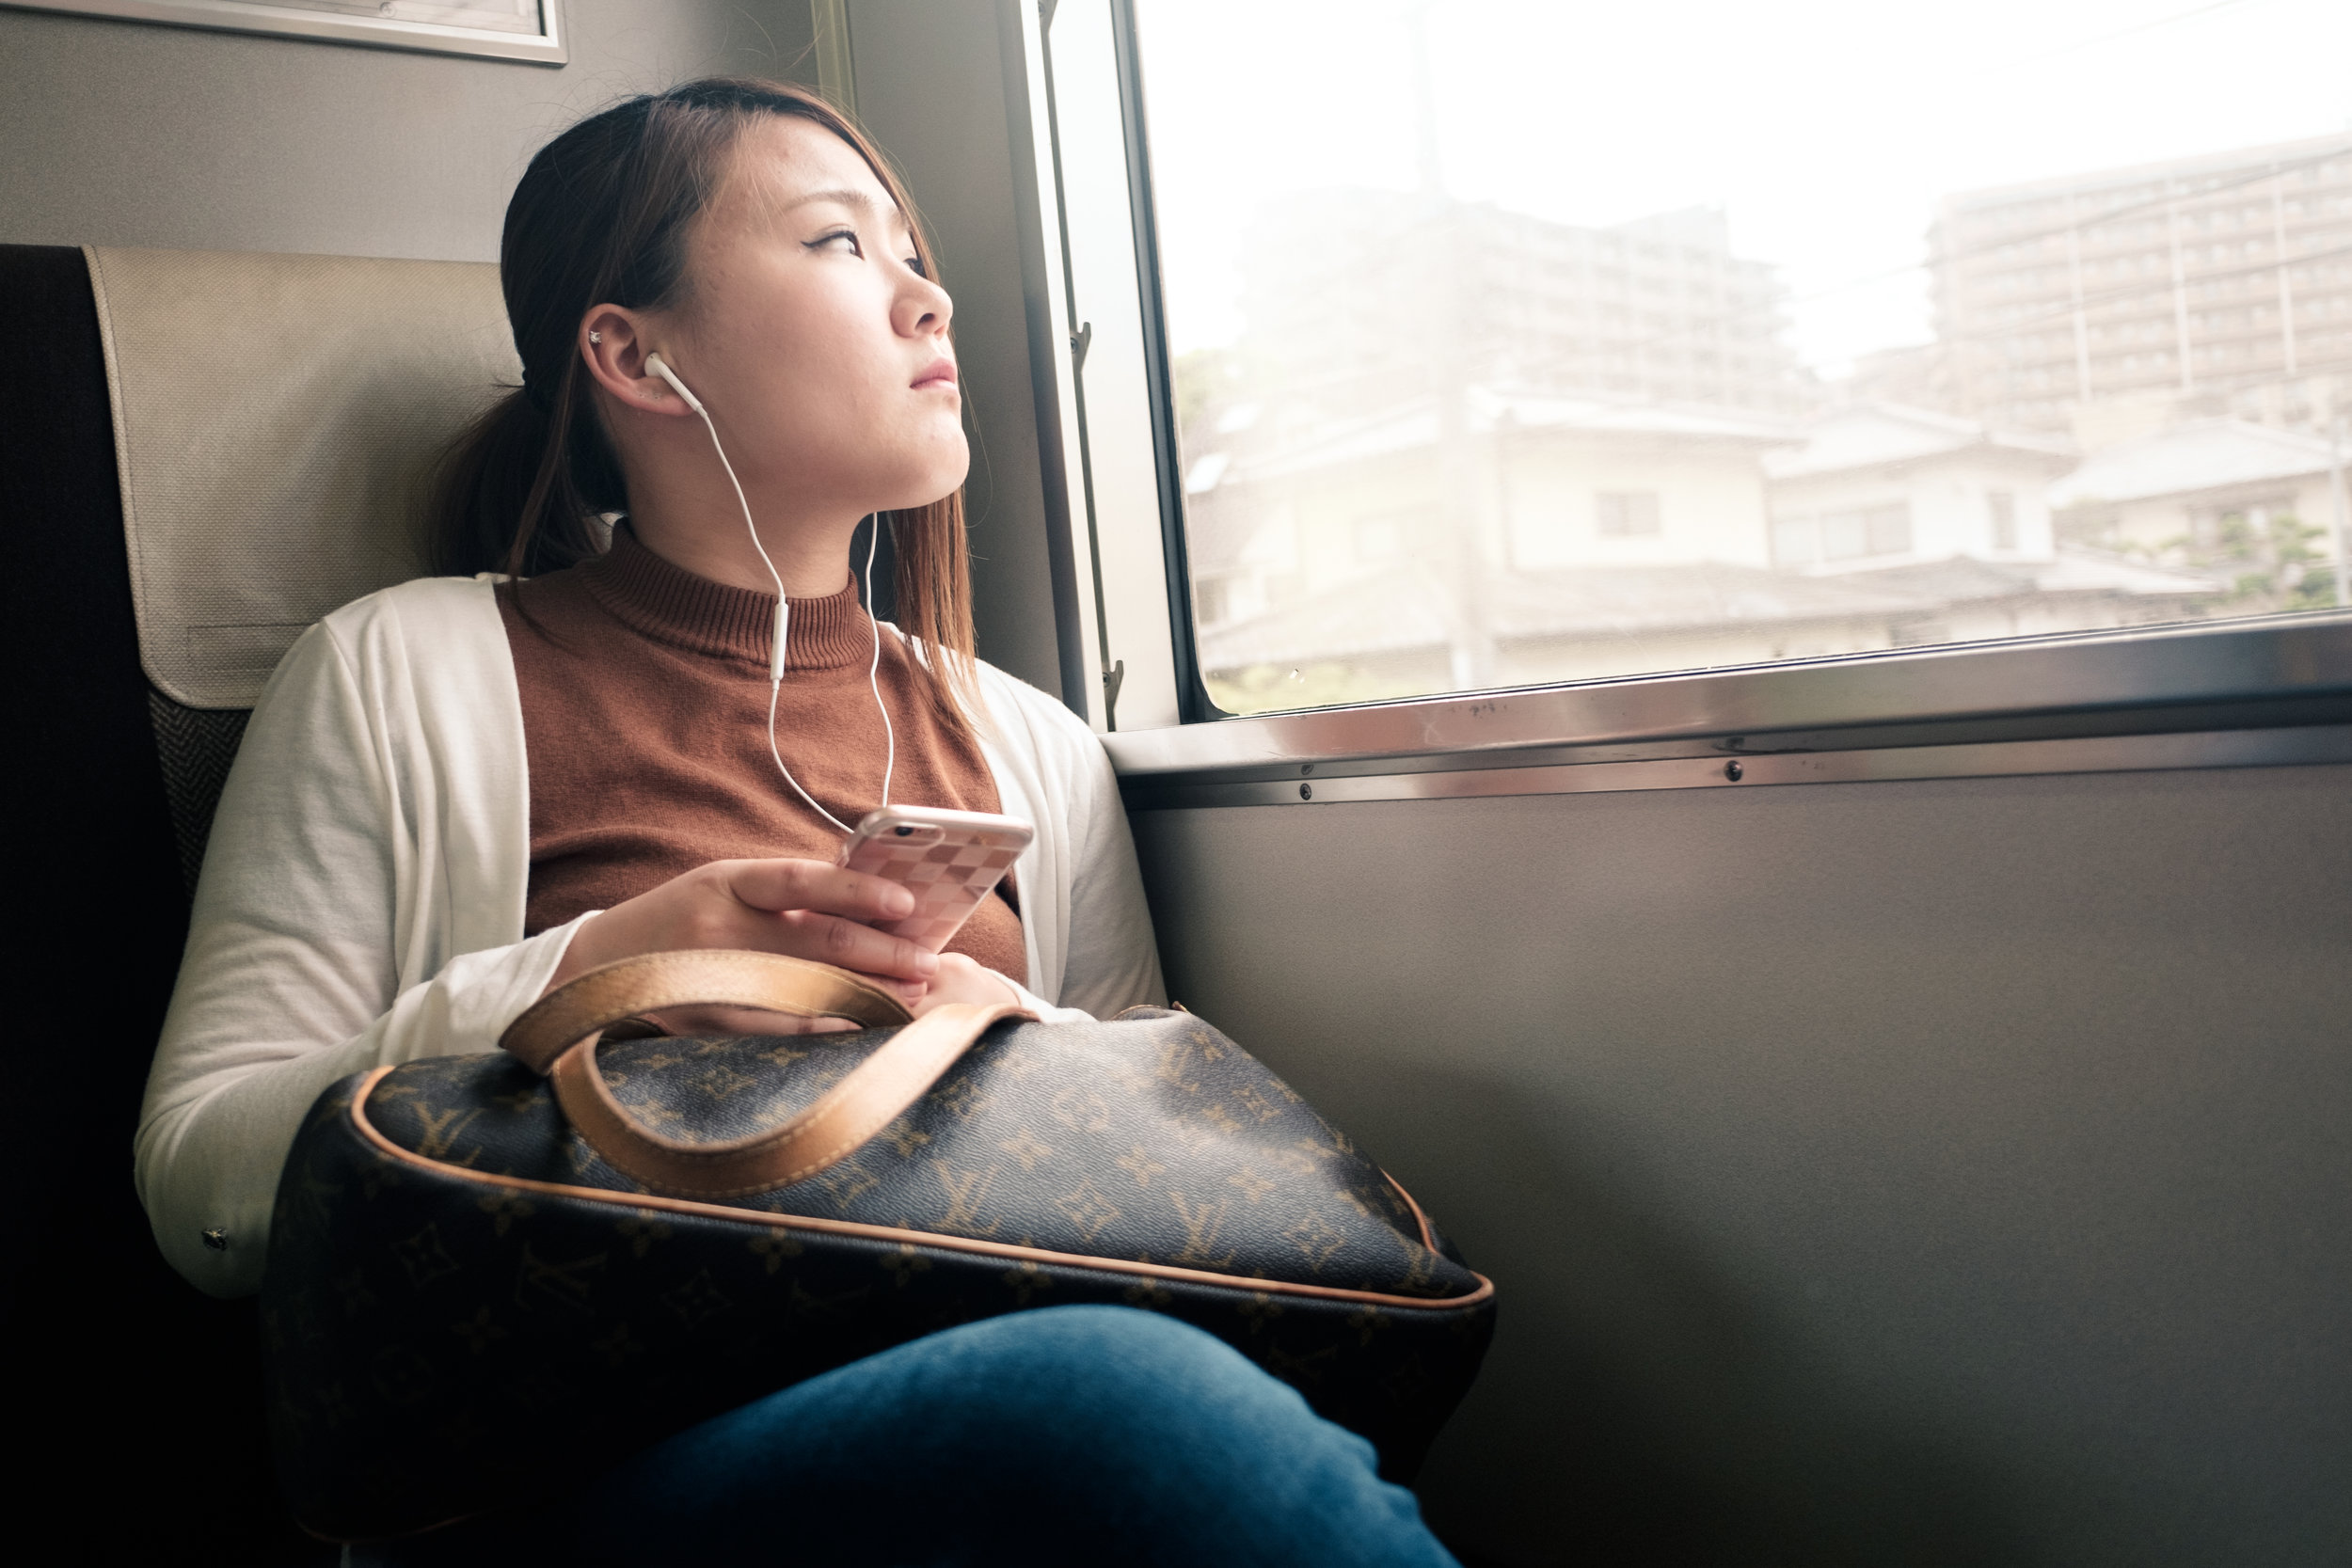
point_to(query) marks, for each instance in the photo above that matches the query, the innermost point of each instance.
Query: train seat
(275, 421)
(201, 452)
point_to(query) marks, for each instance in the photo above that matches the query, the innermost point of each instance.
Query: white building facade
(1879, 486)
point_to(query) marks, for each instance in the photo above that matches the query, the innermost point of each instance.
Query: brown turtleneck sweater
(644, 697)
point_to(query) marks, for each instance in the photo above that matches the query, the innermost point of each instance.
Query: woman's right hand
(801, 908)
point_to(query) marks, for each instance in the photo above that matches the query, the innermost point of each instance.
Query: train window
(1516, 343)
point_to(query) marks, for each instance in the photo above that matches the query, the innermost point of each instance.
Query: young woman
(460, 792)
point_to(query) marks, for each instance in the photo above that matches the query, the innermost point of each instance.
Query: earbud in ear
(655, 367)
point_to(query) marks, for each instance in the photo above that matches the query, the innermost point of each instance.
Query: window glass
(1517, 341)
(2001, 506)
(1625, 513)
(1380, 539)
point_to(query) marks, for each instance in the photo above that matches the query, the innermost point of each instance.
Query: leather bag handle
(558, 1037)
(593, 1002)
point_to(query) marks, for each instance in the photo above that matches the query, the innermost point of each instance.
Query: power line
(2271, 171)
(2152, 286)
(1949, 258)
(1715, 322)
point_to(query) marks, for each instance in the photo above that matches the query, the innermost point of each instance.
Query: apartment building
(1357, 299)
(2215, 284)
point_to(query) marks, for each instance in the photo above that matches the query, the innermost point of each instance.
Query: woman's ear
(614, 345)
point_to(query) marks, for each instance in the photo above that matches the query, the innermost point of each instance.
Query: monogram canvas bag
(613, 1242)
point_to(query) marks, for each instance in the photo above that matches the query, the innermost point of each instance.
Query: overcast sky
(1825, 129)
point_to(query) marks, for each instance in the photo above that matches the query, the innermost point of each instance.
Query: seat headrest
(277, 423)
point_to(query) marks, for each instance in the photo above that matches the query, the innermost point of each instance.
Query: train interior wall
(123, 133)
(127, 135)
(1944, 1172)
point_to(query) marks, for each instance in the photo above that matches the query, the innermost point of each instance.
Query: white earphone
(654, 365)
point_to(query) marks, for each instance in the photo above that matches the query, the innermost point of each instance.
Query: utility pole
(1459, 514)
(2180, 300)
(2074, 277)
(2286, 283)
(2339, 513)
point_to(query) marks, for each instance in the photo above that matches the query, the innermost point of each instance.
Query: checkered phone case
(948, 875)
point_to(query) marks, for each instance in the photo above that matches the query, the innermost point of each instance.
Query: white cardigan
(362, 897)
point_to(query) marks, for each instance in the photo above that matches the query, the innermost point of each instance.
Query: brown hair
(603, 213)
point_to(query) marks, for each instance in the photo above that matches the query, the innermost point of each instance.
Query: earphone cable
(784, 622)
(873, 669)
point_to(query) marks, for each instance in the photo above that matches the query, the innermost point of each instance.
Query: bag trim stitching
(369, 1132)
(1428, 1232)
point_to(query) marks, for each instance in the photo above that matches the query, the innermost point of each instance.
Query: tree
(2266, 559)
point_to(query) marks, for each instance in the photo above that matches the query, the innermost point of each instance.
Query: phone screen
(949, 861)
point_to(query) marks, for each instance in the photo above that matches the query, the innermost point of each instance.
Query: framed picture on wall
(529, 30)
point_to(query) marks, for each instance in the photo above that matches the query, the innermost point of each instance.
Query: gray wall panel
(126, 133)
(1947, 1171)
(130, 135)
(930, 88)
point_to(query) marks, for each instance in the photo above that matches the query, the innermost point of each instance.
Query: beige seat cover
(276, 423)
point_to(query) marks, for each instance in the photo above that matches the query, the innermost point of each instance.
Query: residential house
(2167, 492)
(1519, 537)
(1955, 516)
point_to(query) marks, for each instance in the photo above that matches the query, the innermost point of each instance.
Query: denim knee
(1101, 1386)
(1074, 1435)
(1119, 1365)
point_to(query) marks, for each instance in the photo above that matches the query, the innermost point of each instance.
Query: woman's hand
(962, 979)
(801, 908)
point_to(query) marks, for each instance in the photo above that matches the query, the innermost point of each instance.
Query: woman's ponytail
(484, 484)
(512, 496)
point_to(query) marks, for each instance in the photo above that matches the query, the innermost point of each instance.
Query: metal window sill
(1972, 706)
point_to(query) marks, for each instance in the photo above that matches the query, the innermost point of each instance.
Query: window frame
(1193, 702)
(2281, 670)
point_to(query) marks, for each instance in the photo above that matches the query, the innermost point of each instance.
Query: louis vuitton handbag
(617, 1240)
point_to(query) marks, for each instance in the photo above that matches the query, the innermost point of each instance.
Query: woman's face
(807, 329)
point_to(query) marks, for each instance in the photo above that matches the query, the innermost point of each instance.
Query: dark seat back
(199, 456)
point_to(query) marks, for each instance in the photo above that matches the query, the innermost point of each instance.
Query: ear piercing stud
(595, 337)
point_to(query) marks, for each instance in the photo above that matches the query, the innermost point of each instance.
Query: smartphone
(949, 860)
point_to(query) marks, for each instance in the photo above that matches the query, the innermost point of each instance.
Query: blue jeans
(1070, 1434)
